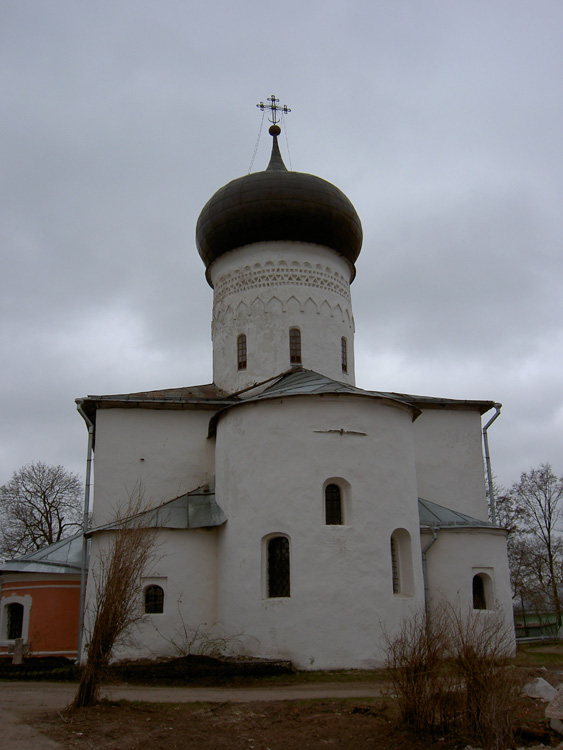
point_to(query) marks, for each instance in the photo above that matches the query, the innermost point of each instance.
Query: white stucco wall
(449, 460)
(457, 556)
(273, 459)
(164, 452)
(265, 289)
(184, 565)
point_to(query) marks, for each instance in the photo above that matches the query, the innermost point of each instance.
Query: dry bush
(480, 647)
(117, 574)
(415, 659)
(202, 639)
(453, 675)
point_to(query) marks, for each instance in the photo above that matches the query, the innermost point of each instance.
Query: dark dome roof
(278, 205)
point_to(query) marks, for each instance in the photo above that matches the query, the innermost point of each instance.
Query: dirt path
(21, 700)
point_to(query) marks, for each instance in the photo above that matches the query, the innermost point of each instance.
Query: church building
(294, 510)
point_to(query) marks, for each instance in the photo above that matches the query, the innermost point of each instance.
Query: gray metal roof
(301, 382)
(434, 515)
(62, 557)
(194, 510)
(207, 396)
(293, 382)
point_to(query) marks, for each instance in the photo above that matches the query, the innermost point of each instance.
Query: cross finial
(274, 108)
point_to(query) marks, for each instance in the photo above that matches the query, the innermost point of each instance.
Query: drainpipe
(492, 505)
(84, 562)
(425, 570)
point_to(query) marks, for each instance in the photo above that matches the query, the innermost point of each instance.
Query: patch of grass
(549, 655)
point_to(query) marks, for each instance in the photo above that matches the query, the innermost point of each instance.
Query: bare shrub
(117, 575)
(480, 647)
(453, 675)
(202, 639)
(415, 658)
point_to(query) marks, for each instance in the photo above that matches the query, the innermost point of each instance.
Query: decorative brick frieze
(280, 275)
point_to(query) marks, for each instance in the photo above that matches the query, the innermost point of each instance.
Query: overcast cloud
(442, 121)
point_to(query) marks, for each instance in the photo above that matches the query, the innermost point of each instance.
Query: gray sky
(442, 121)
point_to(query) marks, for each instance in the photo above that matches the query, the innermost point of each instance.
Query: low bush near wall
(167, 672)
(37, 668)
(453, 674)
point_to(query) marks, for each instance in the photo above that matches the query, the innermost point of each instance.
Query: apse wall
(274, 460)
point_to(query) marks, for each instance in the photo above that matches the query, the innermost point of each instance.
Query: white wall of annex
(458, 555)
(164, 452)
(184, 565)
(449, 460)
(273, 459)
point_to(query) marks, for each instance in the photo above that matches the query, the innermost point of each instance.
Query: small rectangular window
(295, 346)
(241, 352)
(154, 600)
(344, 353)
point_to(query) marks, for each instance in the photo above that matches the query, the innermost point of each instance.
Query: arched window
(241, 352)
(479, 601)
(344, 353)
(401, 563)
(295, 346)
(154, 600)
(278, 567)
(14, 625)
(333, 505)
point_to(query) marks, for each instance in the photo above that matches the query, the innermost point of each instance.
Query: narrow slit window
(402, 575)
(395, 567)
(333, 505)
(344, 353)
(154, 600)
(241, 352)
(295, 346)
(278, 567)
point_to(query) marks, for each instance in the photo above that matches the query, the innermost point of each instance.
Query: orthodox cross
(274, 108)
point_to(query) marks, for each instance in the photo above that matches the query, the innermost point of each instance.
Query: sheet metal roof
(207, 396)
(293, 382)
(62, 557)
(301, 382)
(434, 515)
(194, 510)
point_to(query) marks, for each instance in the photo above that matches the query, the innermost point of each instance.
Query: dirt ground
(285, 714)
(259, 725)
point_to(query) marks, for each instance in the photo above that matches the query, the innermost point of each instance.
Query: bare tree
(117, 574)
(539, 494)
(39, 506)
(512, 517)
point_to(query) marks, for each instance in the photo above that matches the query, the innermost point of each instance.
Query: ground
(271, 725)
(303, 712)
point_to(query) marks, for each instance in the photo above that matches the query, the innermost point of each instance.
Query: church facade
(296, 513)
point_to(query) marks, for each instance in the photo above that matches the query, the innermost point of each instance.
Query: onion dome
(278, 204)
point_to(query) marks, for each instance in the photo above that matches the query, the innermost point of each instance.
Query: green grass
(549, 655)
